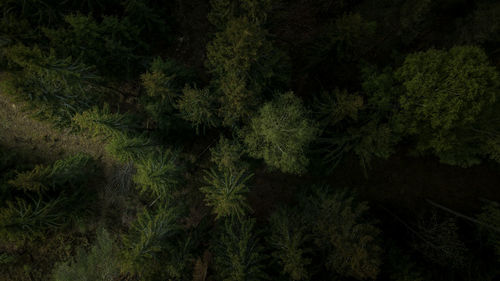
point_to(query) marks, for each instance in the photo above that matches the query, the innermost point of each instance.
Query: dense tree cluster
(223, 126)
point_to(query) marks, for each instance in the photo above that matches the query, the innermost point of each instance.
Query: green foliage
(159, 173)
(340, 227)
(223, 11)
(163, 84)
(490, 215)
(100, 263)
(447, 94)
(55, 88)
(104, 122)
(281, 133)
(149, 235)
(440, 242)
(30, 219)
(111, 44)
(69, 173)
(238, 254)
(288, 238)
(366, 142)
(226, 155)
(226, 192)
(243, 63)
(127, 148)
(199, 107)
(334, 107)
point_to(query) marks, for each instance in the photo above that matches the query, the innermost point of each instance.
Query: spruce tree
(288, 239)
(238, 255)
(226, 192)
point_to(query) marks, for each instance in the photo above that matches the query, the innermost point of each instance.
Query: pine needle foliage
(22, 220)
(226, 192)
(340, 227)
(238, 255)
(127, 148)
(288, 239)
(148, 236)
(55, 88)
(281, 133)
(159, 174)
(104, 122)
(100, 263)
(227, 155)
(110, 44)
(65, 174)
(199, 107)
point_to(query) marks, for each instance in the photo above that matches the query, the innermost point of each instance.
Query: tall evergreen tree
(226, 192)
(281, 133)
(238, 254)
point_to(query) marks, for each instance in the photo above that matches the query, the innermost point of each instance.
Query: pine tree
(22, 220)
(340, 228)
(281, 133)
(68, 173)
(198, 106)
(237, 253)
(226, 192)
(100, 263)
(127, 148)
(148, 236)
(288, 238)
(55, 88)
(163, 84)
(227, 155)
(111, 45)
(159, 174)
(104, 122)
(243, 63)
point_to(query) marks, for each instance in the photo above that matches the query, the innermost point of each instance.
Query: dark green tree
(288, 237)
(340, 227)
(280, 134)
(198, 106)
(450, 104)
(244, 63)
(112, 44)
(238, 255)
(55, 88)
(152, 233)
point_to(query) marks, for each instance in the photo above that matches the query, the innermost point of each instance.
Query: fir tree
(288, 238)
(198, 106)
(104, 122)
(340, 227)
(237, 253)
(225, 192)
(158, 174)
(227, 155)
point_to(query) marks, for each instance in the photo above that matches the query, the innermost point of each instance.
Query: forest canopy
(248, 140)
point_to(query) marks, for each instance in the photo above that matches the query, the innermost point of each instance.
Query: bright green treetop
(280, 134)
